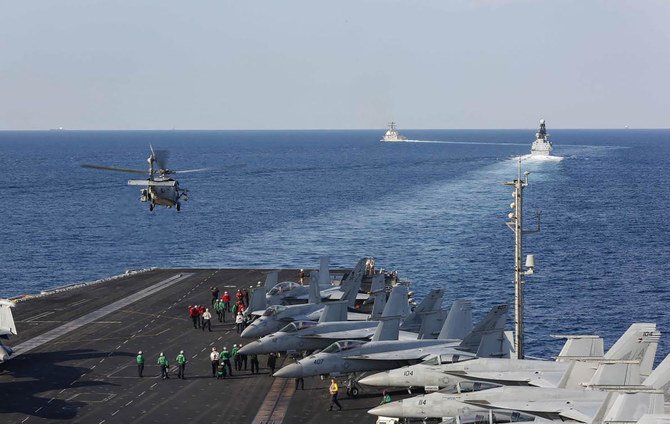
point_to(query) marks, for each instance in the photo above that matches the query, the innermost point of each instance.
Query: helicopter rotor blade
(113, 168)
(186, 171)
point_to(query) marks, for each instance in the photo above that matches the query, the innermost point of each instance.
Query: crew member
(236, 358)
(239, 322)
(140, 363)
(386, 398)
(254, 364)
(226, 300)
(163, 362)
(193, 313)
(333, 389)
(215, 294)
(225, 357)
(207, 320)
(272, 362)
(214, 357)
(181, 363)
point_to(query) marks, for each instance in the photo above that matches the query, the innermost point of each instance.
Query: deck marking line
(57, 332)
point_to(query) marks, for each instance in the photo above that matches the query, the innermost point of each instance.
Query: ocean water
(435, 211)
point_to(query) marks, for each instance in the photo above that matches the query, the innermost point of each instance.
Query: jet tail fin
(324, 272)
(314, 290)
(431, 303)
(580, 346)
(387, 329)
(352, 284)
(659, 379)
(493, 322)
(378, 294)
(397, 298)
(258, 300)
(459, 321)
(638, 343)
(628, 407)
(431, 324)
(334, 311)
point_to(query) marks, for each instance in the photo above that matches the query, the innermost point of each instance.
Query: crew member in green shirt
(181, 363)
(225, 358)
(140, 363)
(163, 362)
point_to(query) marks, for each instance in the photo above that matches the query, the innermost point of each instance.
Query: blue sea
(433, 210)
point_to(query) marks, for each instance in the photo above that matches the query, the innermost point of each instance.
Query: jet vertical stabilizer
(324, 272)
(397, 299)
(378, 296)
(258, 301)
(578, 346)
(493, 322)
(387, 329)
(459, 321)
(638, 343)
(314, 291)
(334, 312)
(660, 378)
(352, 284)
(624, 373)
(432, 302)
(431, 324)
(628, 407)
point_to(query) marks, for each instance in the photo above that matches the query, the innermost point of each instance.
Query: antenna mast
(515, 223)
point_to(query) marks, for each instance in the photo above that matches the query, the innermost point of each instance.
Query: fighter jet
(310, 336)
(290, 292)
(385, 351)
(277, 316)
(7, 328)
(585, 405)
(639, 342)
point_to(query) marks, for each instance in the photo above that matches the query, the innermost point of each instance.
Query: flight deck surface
(76, 349)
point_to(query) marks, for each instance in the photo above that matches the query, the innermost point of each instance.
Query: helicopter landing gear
(151, 207)
(178, 207)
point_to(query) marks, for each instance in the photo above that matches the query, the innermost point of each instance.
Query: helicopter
(160, 189)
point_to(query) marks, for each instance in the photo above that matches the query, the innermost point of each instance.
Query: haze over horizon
(427, 64)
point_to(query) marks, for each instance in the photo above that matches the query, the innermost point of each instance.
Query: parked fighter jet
(385, 351)
(7, 327)
(310, 336)
(277, 316)
(582, 405)
(290, 292)
(258, 301)
(639, 342)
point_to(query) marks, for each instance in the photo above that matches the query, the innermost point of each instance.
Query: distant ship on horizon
(392, 134)
(541, 146)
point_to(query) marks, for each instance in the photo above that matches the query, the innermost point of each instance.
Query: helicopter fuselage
(161, 191)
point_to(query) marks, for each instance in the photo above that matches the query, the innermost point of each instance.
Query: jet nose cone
(376, 380)
(250, 349)
(393, 409)
(251, 332)
(290, 371)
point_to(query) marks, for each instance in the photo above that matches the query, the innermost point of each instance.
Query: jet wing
(579, 411)
(401, 355)
(542, 379)
(337, 295)
(362, 333)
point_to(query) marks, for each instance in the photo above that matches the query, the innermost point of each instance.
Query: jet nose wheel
(353, 392)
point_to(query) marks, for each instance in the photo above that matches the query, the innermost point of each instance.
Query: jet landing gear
(353, 389)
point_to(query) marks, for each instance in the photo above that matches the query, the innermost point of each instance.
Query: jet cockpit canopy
(343, 345)
(273, 310)
(297, 325)
(283, 287)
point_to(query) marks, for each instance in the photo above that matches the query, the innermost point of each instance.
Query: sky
(346, 64)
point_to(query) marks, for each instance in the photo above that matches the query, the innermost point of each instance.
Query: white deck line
(50, 335)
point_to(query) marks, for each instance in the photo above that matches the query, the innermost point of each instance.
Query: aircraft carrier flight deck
(75, 355)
